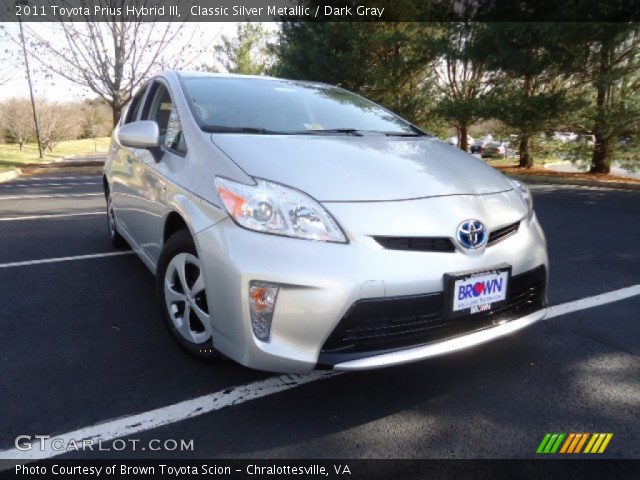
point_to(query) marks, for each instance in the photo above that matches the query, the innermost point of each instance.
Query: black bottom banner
(316, 469)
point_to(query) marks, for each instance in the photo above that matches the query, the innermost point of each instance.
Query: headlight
(525, 194)
(273, 208)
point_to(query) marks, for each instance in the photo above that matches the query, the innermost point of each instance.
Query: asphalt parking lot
(83, 343)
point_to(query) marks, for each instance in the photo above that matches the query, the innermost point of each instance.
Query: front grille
(439, 244)
(502, 233)
(419, 244)
(374, 325)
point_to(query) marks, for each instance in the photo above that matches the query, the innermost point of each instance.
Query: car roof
(195, 73)
(265, 78)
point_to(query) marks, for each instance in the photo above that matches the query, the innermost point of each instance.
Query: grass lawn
(11, 156)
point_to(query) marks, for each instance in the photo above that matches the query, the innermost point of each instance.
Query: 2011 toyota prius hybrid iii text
(295, 225)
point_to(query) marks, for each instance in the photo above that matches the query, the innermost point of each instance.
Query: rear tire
(118, 240)
(180, 285)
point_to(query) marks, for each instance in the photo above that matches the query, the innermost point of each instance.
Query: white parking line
(63, 259)
(51, 215)
(594, 301)
(25, 185)
(171, 414)
(124, 426)
(68, 177)
(57, 195)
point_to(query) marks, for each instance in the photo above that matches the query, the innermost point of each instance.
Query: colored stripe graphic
(543, 443)
(555, 447)
(581, 442)
(567, 443)
(604, 445)
(598, 443)
(573, 443)
(590, 444)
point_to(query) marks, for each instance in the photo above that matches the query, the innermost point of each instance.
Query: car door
(123, 171)
(156, 167)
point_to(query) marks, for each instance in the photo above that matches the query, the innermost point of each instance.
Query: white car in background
(565, 137)
(454, 141)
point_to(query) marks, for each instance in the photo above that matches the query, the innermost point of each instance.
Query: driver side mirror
(141, 134)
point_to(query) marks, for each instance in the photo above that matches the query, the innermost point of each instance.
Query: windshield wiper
(345, 131)
(226, 129)
(359, 132)
(322, 131)
(403, 134)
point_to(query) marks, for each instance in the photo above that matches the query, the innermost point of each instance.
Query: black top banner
(318, 10)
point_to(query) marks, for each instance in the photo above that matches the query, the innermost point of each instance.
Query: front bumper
(319, 282)
(442, 347)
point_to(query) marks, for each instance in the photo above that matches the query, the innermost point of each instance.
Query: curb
(73, 166)
(62, 164)
(10, 175)
(541, 179)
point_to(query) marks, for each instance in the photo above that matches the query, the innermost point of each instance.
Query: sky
(56, 88)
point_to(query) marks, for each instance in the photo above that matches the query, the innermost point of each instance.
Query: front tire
(118, 241)
(181, 289)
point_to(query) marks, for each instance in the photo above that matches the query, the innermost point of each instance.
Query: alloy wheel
(185, 298)
(111, 217)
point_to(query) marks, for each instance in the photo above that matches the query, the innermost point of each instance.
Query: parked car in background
(565, 137)
(494, 150)
(588, 139)
(476, 147)
(454, 141)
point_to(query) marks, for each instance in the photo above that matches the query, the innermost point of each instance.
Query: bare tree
(6, 74)
(58, 122)
(108, 55)
(96, 118)
(18, 120)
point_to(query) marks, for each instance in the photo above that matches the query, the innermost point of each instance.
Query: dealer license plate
(477, 291)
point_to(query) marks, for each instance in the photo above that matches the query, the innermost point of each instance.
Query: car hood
(367, 168)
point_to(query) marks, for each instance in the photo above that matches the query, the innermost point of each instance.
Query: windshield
(278, 106)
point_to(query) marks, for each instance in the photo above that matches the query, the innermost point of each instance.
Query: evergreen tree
(245, 53)
(387, 62)
(612, 69)
(461, 77)
(532, 63)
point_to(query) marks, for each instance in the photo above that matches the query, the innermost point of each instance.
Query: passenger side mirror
(140, 134)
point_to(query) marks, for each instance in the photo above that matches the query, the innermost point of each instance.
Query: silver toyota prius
(294, 226)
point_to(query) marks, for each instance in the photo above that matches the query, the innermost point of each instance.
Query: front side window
(161, 109)
(134, 106)
(228, 104)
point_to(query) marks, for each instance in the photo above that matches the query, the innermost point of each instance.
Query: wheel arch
(173, 223)
(190, 213)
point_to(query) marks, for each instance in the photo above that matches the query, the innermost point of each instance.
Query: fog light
(262, 303)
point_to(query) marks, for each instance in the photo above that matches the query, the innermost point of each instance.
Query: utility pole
(26, 63)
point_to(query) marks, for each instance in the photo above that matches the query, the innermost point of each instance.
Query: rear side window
(160, 108)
